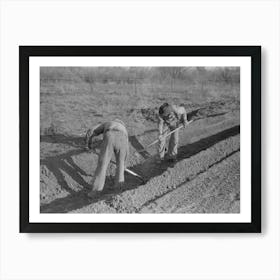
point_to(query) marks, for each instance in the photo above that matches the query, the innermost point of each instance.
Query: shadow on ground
(148, 170)
(64, 162)
(75, 141)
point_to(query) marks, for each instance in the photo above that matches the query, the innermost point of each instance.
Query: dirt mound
(151, 114)
(211, 109)
(143, 114)
(137, 200)
(194, 111)
(214, 191)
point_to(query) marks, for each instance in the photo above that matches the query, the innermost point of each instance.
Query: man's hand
(185, 124)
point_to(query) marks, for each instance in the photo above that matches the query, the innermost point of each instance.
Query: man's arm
(160, 126)
(93, 132)
(182, 115)
(99, 129)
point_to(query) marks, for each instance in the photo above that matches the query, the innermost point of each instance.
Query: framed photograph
(140, 138)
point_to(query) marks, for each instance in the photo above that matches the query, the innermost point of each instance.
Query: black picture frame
(25, 52)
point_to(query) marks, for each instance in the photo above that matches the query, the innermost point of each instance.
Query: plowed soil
(205, 179)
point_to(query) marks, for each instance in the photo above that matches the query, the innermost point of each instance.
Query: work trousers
(113, 142)
(172, 147)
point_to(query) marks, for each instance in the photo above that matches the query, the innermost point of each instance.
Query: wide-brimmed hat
(165, 110)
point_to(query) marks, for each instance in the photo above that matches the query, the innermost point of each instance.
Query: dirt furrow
(65, 176)
(170, 177)
(214, 191)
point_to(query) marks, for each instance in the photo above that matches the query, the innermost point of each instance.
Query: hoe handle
(171, 132)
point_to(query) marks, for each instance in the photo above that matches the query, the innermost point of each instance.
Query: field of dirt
(205, 179)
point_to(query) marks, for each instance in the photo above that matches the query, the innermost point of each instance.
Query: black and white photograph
(140, 139)
(142, 132)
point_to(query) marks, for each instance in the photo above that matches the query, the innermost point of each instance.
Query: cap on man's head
(165, 110)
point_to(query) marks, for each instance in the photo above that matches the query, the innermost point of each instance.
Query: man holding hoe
(170, 117)
(115, 141)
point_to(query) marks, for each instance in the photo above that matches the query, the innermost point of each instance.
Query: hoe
(156, 141)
